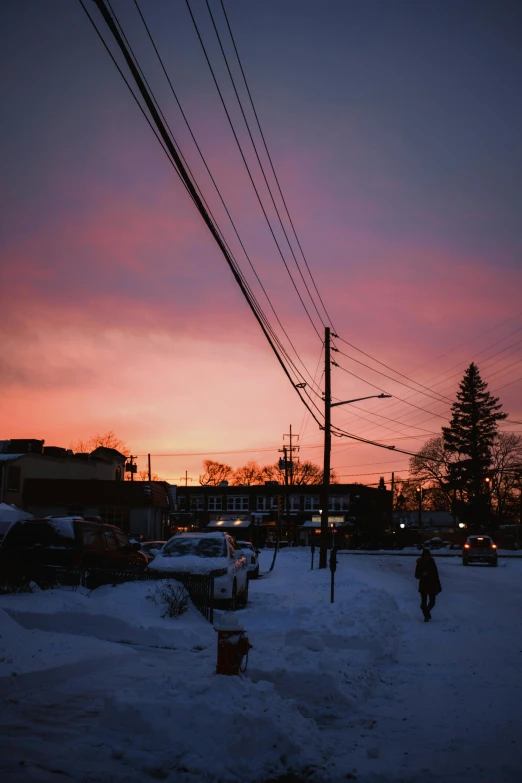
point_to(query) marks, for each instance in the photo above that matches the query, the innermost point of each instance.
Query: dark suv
(479, 549)
(35, 548)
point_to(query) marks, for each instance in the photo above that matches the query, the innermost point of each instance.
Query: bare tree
(249, 474)
(430, 468)
(303, 473)
(506, 468)
(108, 440)
(215, 473)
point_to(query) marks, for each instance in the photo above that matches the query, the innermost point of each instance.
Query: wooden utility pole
(328, 405)
(325, 492)
(150, 472)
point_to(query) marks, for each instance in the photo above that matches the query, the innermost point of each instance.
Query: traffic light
(418, 494)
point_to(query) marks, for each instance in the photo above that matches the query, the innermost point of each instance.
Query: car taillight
(466, 546)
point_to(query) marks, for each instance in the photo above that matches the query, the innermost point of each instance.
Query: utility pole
(328, 405)
(419, 509)
(325, 491)
(291, 449)
(185, 478)
(150, 472)
(130, 467)
(288, 452)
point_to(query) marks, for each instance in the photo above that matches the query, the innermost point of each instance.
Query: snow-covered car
(216, 554)
(150, 548)
(251, 555)
(479, 549)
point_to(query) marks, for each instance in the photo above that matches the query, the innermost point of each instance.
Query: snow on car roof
(64, 526)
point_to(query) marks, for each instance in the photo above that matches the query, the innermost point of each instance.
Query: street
(99, 688)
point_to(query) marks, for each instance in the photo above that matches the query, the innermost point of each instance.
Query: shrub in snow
(171, 596)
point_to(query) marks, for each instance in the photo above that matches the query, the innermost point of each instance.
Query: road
(361, 689)
(450, 708)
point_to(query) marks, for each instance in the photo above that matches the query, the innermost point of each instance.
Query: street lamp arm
(359, 399)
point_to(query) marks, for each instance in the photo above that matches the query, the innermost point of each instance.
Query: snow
(98, 687)
(188, 564)
(10, 513)
(64, 526)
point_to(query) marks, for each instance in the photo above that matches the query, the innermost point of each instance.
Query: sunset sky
(394, 128)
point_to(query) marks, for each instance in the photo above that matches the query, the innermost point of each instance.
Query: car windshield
(245, 545)
(200, 547)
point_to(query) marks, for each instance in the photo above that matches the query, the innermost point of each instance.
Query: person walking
(429, 583)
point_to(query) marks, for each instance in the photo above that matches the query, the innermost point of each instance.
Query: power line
(195, 196)
(212, 179)
(383, 390)
(248, 168)
(395, 380)
(272, 166)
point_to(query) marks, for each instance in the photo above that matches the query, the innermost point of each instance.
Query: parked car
(150, 548)
(32, 546)
(251, 554)
(216, 554)
(479, 549)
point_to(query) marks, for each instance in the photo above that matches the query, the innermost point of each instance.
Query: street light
(359, 399)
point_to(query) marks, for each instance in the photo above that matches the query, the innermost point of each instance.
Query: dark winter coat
(427, 574)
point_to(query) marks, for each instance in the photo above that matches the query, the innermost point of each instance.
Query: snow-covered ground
(100, 689)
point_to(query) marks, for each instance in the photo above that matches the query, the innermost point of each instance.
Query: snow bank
(118, 614)
(212, 728)
(326, 655)
(24, 651)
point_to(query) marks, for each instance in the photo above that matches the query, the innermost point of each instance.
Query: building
(30, 459)
(252, 511)
(137, 507)
(435, 521)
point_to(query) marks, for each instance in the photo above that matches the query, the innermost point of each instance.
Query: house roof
(112, 454)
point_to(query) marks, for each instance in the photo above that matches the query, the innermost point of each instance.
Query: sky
(394, 130)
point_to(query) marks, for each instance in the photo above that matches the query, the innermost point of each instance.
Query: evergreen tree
(470, 436)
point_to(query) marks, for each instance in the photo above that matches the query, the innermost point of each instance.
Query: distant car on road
(251, 555)
(216, 554)
(479, 549)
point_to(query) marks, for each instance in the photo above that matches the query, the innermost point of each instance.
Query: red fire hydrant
(232, 646)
